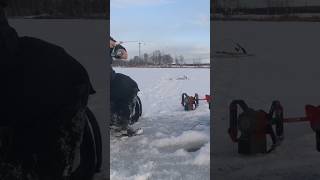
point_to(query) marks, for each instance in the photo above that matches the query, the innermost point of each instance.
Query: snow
(285, 67)
(175, 143)
(270, 17)
(264, 3)
(188, 140)
(203, 158)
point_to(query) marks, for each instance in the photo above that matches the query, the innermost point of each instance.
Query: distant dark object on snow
(234, 51)
(184, 77)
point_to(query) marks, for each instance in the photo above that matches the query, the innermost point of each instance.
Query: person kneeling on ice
(125, 104)
(44, 127)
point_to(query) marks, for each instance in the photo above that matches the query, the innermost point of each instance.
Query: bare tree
(78, 8)
(181, 59)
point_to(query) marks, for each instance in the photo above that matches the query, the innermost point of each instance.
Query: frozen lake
(165, 149)
(285, 66)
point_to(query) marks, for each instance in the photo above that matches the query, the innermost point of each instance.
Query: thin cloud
(131, 3)
(202, 20)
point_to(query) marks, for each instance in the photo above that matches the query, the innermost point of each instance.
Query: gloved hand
(118, 51)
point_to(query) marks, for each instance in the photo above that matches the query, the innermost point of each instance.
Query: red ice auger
(312, 116)
(192, 102)
(255, 125)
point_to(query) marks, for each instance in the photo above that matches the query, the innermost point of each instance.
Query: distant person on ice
(44, 95)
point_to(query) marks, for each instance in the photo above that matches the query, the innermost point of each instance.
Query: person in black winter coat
(45, 93)
(123, 91)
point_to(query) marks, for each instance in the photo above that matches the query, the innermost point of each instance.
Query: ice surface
(285, 67)
(203, 158)
(188, 140)
(175, 143)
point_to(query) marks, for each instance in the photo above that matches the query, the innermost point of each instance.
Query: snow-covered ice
(175, 143)
(285, 67)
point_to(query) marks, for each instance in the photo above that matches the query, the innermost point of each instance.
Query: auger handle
(297, 119)
(183, 96)
(277, 110)
(318, 140)
(233, 118)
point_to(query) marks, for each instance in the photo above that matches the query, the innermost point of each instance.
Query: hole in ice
(190, 141)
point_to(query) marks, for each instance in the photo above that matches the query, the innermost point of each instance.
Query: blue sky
(178, 27)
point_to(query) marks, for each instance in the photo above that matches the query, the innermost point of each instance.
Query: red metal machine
(192, 102)
(255, 125)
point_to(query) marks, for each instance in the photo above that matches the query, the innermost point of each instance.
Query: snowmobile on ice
(126, 106)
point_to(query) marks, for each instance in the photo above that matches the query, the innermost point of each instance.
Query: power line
(139, 43)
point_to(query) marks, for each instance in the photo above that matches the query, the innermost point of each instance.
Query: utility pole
(139, 50)
(139, 43)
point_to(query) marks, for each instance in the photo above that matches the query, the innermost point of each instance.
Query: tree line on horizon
(57, 8)
(155, 58)
(272, 7)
